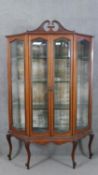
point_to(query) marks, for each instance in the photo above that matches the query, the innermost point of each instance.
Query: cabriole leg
(27, 146)
(8, 136)
(91, 137)
(75, 143)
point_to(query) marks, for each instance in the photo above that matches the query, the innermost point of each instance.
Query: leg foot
(91, 137)
(8, 136)
(28, 154)
(75, 143)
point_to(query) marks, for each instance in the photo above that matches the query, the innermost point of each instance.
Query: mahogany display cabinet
(50, 87)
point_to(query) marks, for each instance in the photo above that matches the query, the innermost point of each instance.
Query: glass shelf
(57, 106)
(85, 104)
(62, 81)
(83, 58)
(39, 106)
(19, 58)
(62, 106)
(38, 57)
(16, 102)
(39, 81)
(63, 57)
(19, 80)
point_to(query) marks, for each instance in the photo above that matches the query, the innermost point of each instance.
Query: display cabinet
(50, 87)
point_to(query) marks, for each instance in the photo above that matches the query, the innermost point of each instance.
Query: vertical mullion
(9, 84)
(90, 84)
(74, 99)
(50, 85)
(71, 87)
(27, 75)
(30, 87)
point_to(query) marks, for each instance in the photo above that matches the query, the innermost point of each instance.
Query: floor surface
(41, 165)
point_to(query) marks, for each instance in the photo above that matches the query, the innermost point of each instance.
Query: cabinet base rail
(57, 140)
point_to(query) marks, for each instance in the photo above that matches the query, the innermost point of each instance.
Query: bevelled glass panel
(62, 63)
(17, 71)
(82, 83)
(39, 86)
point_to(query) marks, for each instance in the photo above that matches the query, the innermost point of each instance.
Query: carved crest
(51, 26)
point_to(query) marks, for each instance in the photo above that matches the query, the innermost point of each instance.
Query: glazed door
(84, 71)
(39, 72)
(62, 84)
(51, 85)
(17, 84)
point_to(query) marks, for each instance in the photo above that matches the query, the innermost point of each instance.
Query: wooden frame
(49, 31)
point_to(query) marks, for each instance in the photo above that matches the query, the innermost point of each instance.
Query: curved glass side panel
(39, 86)
(62, 85)
(83, 58)
(17, 71)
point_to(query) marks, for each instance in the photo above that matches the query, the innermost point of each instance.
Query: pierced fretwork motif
(51, 26)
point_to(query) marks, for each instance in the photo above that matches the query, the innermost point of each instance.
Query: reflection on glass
(40, 93)
(40, 121)
(82, 86)
(39, 86)
(62, 83)
(17, 60)
(61, 120)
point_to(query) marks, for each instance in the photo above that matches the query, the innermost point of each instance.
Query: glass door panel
(82, 83)
(17, 74)
(62, 85)
(39, 86)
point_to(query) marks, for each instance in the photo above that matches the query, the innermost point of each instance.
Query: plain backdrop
(22, 15)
